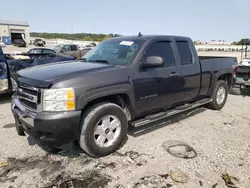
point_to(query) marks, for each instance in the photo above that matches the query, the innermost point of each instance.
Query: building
(213, 42)
(14, 30)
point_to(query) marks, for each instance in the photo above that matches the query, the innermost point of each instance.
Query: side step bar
(177, 110)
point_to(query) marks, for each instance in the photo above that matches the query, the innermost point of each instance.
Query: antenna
(139, 35)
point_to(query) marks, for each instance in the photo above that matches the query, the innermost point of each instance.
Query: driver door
(158, 88)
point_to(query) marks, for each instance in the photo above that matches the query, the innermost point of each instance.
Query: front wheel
(219, 95)
(103, 129)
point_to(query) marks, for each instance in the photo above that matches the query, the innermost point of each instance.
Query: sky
(199, 19)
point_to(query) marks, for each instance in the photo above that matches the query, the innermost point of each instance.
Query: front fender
(91, 95)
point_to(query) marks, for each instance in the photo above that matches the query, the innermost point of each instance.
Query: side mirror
(61, 51)
(153, 61)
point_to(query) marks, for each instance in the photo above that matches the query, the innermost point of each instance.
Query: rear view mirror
(153, 61)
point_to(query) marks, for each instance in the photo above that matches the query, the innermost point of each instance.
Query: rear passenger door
(157, 88)
(74, 50)
(190, 71)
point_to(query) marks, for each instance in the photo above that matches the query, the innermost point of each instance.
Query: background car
(39, 42)
(19, 43)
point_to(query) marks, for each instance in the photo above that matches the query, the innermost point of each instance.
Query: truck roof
(151, 37)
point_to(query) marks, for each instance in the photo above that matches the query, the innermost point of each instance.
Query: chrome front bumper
(4, 85)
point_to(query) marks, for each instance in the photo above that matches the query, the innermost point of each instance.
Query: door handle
(174, 74)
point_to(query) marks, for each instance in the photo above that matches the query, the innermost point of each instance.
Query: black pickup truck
(124, 81)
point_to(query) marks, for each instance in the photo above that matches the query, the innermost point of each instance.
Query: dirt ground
(201, 148)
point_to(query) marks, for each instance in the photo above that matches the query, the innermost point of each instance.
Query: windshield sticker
(127, 43)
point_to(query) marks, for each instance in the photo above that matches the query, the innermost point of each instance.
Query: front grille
(29, 96)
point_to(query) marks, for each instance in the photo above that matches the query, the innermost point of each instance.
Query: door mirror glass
(153, 61)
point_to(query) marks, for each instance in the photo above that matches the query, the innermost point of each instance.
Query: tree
(74, 36)
(107, 37)
(87, 39)
(238, 42)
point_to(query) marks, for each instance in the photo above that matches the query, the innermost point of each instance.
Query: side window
(73, 48)
(66, 48)
(163, 50)
(48, 51)
(185, 52)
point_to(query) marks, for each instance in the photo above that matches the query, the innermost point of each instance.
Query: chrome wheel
(107, 130)
(221, 94)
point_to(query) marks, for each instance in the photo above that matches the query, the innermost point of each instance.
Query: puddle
(179, 149)
(9, 125)
(87, 179)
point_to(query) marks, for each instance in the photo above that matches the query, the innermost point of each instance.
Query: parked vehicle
(39, 42)
(3, 73)
(123, 81)
(72, 50)
(41, 51)
(242, 70)
(11, 63)
(19, 43)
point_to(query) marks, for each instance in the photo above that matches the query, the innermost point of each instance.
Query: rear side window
(73, 48)
(185, 52)
(162, 49)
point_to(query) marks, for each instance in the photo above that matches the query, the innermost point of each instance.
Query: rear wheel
(219, 95)
(104, 128)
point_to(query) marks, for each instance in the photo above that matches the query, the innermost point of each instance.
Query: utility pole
(94, 26)
(72, 29)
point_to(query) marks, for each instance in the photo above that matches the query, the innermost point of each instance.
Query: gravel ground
(201, 148)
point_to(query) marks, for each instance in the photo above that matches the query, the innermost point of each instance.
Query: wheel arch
(123, 97)
(226, 75)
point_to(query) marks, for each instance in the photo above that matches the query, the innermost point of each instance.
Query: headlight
(58, 100)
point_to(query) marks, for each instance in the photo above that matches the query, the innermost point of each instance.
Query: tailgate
(242, 73)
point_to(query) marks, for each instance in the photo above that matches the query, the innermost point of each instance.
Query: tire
(100, 145)
(218, 104)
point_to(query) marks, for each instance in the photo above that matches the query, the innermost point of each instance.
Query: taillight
(245, 77)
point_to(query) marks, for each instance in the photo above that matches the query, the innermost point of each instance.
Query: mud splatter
(87, 179)
(111, 165)
(45, 164)
(153, 181)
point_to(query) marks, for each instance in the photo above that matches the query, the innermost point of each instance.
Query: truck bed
(211, 65)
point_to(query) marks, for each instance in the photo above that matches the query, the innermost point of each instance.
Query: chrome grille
(29, 96)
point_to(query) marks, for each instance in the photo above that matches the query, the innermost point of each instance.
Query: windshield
(115, 51)
(58, 47)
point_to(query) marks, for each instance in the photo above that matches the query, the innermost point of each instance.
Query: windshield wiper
(96, 60)
(99, 61)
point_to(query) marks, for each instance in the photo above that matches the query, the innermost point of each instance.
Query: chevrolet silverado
(124, 81)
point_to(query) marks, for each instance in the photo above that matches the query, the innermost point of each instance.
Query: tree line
(74, 36)
(90, 36)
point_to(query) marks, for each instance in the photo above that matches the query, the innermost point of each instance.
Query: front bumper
(51, 129)
(4, 85)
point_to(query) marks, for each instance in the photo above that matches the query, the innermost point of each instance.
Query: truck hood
(44, 76)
